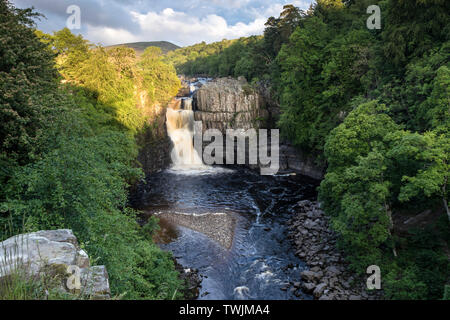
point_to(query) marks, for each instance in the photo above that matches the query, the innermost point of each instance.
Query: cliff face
(229, 104)
(293, 159)
(154, 152)
(154, 143)
(222, 104)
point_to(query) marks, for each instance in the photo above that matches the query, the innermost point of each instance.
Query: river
(230, 224)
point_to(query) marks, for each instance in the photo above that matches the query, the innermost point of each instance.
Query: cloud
(109, 36)
(94, 13)
(186, 21)
(229, 3)
(177, 27)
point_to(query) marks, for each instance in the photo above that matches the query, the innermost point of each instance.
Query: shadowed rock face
(154, 143)
(229, 104)
(293, 159)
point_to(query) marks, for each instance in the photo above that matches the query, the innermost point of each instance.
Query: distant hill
(139, 47)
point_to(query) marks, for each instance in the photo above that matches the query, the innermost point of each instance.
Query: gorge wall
(154, 143)
(227, 103)
(223, 103)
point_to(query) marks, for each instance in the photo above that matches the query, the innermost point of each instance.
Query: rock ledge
(51, 253)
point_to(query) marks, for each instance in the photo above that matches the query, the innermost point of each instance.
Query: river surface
(230, 224)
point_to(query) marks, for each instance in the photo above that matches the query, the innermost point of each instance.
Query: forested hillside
(69, 112)
(374, 106)
(198, 58)
(139, 47)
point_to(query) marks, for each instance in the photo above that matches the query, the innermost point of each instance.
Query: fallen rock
(51, 253)
(308, 287)
(35, 250)
(318, 291)
(315, 243)
(308, 275)
(82, 259)
(192, 281)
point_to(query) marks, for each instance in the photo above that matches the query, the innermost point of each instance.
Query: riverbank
(328, 277)
(191, 279)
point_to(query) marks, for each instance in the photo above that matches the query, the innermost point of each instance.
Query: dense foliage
(68, 151)
(374, 105)
(118, 79)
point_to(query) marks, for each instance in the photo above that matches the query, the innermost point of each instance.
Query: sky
(182, 22)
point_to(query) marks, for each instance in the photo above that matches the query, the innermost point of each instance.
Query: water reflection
(231, 225)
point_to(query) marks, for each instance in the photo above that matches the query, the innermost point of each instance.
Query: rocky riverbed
(191, 279)
(216, 226)
(46, 255)
(328, 277)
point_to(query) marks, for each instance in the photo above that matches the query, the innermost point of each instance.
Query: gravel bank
(328, 277)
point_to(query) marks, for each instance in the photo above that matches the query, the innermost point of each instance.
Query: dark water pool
(231, 226)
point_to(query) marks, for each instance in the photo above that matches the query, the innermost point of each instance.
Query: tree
(27, 83)
(71, 50)
(159, 78)
(414, 27)
(356, 190)
(278, 30)
(65, 162)
(301, 62)
(432, 179)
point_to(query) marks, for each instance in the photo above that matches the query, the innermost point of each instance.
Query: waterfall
(186, 103)
(180, 128)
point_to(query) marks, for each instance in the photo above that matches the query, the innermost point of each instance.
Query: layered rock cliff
(227, 103)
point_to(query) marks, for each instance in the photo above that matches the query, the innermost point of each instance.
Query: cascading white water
(186, 103)
(180, 128)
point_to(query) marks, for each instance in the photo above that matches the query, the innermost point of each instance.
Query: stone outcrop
(328, 277)
(154, 143)
(51, 253)
(292, 159)
(227, 103)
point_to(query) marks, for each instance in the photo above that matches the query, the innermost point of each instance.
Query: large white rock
(34, 251)
(38, 252)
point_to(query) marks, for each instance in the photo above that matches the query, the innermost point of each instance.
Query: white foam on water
(200, 170)
(186, 160)
(241, 292)
(191, 214)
